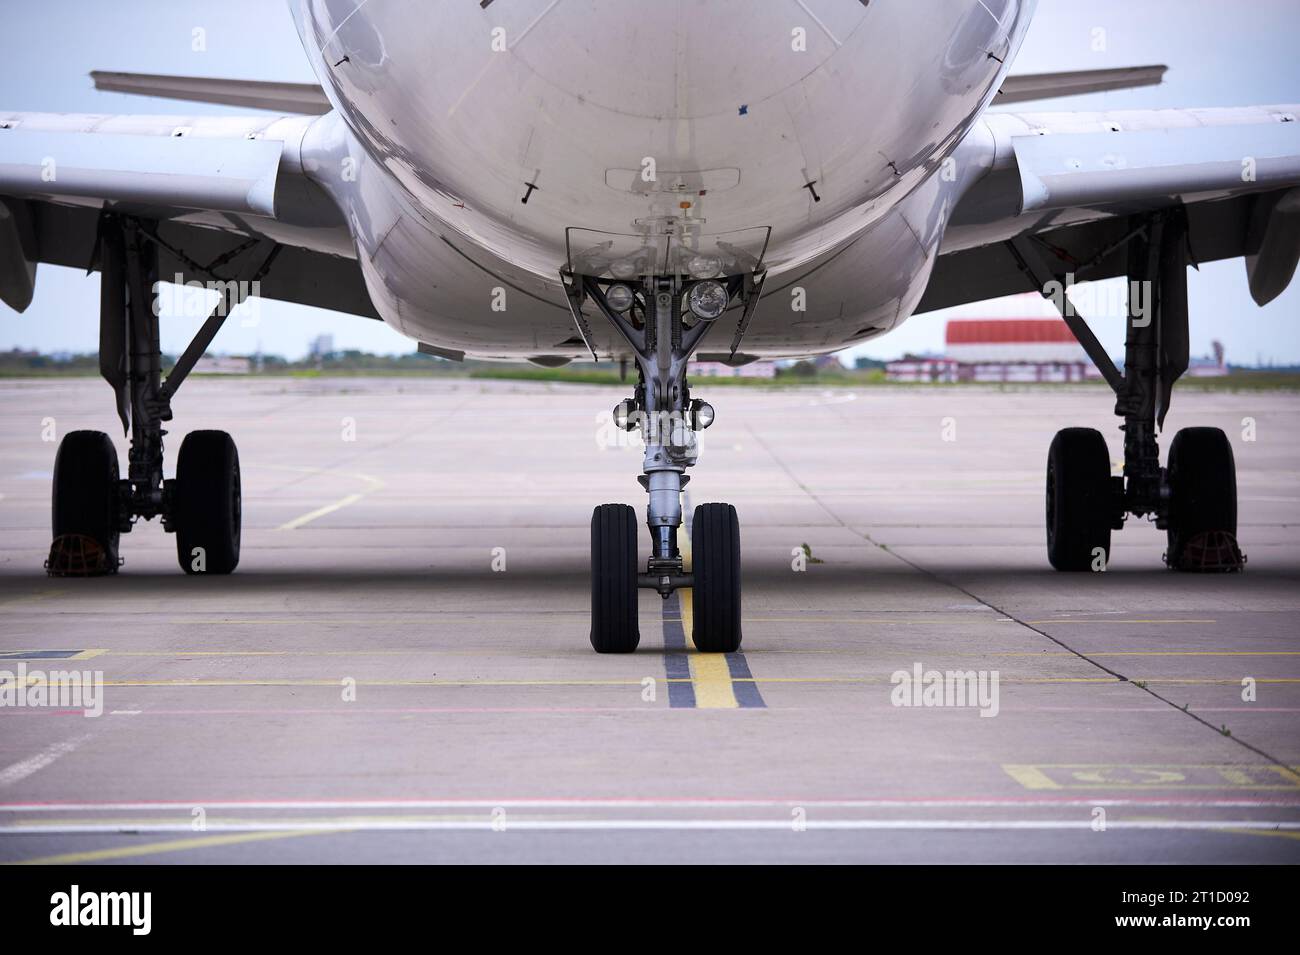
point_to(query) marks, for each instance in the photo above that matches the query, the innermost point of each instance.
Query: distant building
(1001, 350)
(914, 368)
(321, 346)
(222, 365)
(1211, 367)
(1017, 349)
(717, 369)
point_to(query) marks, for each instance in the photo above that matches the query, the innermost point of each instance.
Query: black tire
(206, 503)
(613, 579)
(1079, 499)
(85, 498)
(1203, 488)
(715, 557)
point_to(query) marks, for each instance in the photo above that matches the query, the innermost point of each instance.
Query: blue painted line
(38, 654)
(742, 682)
(677, 666)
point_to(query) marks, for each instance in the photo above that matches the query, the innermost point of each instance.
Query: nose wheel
(613, 579)
(715, 597)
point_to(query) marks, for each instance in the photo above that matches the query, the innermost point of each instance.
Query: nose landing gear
(663, 320)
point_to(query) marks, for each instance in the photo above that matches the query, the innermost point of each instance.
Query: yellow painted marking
(855, 680)
(1031, 777)
(1277, 833)
(1040, 623)
(710, 675)
(335, 683)
(173, 845)
(1173, 681)
(1135, 776)
(485, 651)
(712, 680)
(1146, 653)
(421, 619)
(29, 598)
(373, 484)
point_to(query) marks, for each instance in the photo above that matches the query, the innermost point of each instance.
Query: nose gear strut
(662, 333)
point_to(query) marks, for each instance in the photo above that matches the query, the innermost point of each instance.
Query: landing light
(625, 414)
(619, 297)
(624, 268)
(703, 266)
(701, 414)
(708, 299)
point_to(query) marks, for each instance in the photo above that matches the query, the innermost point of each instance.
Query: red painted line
(347, 709)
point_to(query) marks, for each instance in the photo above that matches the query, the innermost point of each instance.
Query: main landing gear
(1194, 498)
(92, 503)
(663, 320)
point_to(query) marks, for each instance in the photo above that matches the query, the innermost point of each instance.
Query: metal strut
(1155, 346)
(130, 356)
(662, 336)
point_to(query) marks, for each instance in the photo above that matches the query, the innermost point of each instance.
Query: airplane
(554, 180)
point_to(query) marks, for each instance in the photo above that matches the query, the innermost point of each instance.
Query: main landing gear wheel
(614, 579)
(715, 598)
(1079, 518)
(206, 503)
(1203, 502)
(85, 511)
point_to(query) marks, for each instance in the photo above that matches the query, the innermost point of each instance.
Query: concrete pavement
(399, 669)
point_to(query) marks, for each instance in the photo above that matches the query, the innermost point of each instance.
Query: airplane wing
(1069, 183)
(306, 98)
(225, 192)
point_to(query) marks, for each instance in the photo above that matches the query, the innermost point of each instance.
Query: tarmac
(399, 670)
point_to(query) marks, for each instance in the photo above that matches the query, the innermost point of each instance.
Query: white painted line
(349, 804)
(374, 484)
(34, 764)
(562, 825)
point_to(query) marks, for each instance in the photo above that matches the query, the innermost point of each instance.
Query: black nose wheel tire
(1203, 497)
(85, 499)
(206, 503)
(715, 595)
(1079, 505)
(613, 579)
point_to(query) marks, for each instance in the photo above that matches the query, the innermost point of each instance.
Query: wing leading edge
(1073, 180)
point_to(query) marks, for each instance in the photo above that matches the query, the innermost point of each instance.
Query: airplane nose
(547, 114)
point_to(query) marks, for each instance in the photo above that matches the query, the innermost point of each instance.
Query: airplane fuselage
(478, 146)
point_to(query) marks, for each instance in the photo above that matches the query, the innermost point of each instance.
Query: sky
(1219, 53)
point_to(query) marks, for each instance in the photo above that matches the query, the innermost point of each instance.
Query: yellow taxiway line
(172, 845)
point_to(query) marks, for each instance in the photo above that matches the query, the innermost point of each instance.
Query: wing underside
(223, 192)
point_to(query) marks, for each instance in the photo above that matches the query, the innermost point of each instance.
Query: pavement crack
(1078, 653)
(1120, 677)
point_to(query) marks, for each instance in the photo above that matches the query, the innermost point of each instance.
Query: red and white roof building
(975, 341)
(1002, 349)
